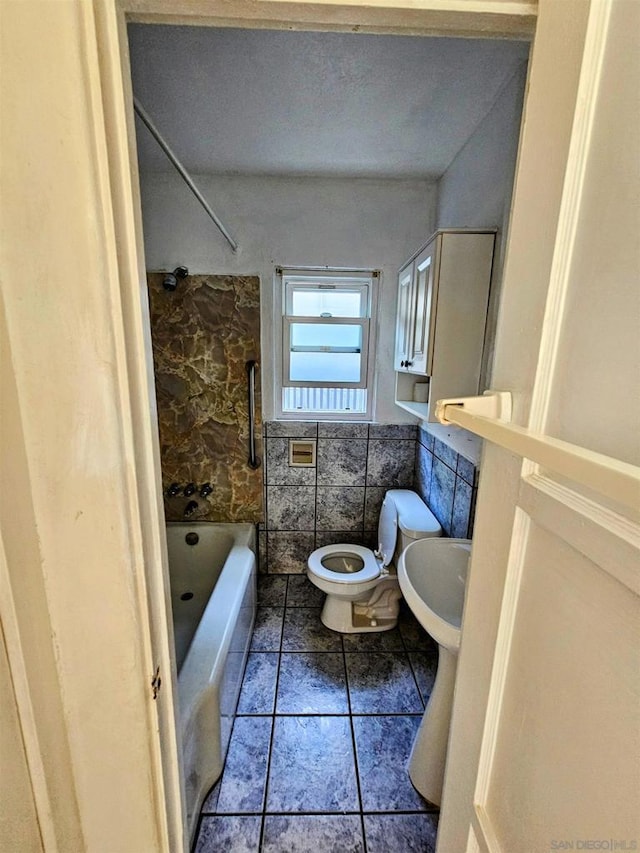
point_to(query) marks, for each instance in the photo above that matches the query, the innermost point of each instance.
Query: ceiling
(304, 103)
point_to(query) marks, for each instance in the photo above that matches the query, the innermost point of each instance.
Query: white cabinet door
(424, 310)
(545, 736)
(404, 317)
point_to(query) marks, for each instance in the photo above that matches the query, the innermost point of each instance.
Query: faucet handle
(189, 490)
(173, 490)
(205, 489)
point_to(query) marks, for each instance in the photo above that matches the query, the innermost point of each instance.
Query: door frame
(100, 38)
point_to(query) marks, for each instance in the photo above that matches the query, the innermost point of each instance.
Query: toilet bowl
(361, 585)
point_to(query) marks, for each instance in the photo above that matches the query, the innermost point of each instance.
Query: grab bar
(254, 462)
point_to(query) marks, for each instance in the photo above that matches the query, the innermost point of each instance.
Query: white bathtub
(212, 629)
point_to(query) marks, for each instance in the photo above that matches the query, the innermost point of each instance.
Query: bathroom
(294, 204)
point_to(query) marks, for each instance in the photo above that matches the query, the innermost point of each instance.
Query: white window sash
(324, 321)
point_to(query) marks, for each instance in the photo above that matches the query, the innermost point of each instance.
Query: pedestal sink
(432, 575)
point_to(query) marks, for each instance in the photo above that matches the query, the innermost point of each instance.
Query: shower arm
(186, 177)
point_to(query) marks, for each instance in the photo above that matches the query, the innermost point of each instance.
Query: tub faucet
(190, 508)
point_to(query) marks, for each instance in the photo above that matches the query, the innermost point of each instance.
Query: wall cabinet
(443, 293)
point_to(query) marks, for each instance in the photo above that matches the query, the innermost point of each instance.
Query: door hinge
(156, 684)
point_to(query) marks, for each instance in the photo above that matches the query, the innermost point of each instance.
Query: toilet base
(375, 611)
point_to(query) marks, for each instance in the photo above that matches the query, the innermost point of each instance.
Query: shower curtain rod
(186, 177)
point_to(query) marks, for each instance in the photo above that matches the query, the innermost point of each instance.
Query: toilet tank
(415, 519)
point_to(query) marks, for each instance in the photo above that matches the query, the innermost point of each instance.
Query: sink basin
(432, 574)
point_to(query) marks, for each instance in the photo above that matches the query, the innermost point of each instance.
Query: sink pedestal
(429, 753)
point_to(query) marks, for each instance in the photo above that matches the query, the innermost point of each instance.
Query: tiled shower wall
(339, 499)
(203, 334)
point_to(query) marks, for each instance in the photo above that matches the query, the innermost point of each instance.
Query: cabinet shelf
(420, 410)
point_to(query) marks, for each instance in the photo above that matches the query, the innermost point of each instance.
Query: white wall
(293, 221)
(476, 189)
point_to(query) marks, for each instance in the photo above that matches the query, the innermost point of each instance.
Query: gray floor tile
(302, 593)
(413, 634)
(267, 632)
(211, 801)
(312, 762)
(245, 770)
(383, 746)
(231, 834)
(259, 684)
(312, 683)
(382, 683)
(425, 666)
(374, 641)
(406, 833)
(317, 833)
(272, 590)
(304, 632)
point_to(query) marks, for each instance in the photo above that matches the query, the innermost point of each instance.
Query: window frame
(360, 278)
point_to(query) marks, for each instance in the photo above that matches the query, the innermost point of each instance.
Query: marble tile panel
(383, 746)
(392, 431)
(402, 833)
(467, 470)
(445, 453)
(425, 666)
(258, 692)
(414, 636)
(231, 834)
(374, 495)
(292, 429)
(422, 477)
(278, 472)
(267, 632)
(312, 763)
(302, 593)
(201, 342)
(340, 508)
(342, 461)
(319, 833)
(426, 438)
(245, 769)
(312, 683)
(382, 683)
(342, 430)
(390, 463)
(288, 552)
(461, 509)
(339, 537)
(291, 507)
(441, 494)
(304, 632)
(272, 591)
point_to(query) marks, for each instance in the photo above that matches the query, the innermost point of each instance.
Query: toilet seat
(369, 571)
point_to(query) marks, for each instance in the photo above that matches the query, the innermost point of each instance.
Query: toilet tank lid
(415, 519)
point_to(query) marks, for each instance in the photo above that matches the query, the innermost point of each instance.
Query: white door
(545, 740)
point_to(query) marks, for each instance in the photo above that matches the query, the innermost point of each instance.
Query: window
(326, 341)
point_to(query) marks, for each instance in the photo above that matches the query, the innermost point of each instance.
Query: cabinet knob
(408, 363)
(402, 364)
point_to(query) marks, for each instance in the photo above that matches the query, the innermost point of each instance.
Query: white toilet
(362, 587)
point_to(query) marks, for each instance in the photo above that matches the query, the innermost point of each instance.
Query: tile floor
(318, 753)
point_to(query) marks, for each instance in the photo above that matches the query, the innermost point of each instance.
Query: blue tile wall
(339, 500)
(447, 483)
